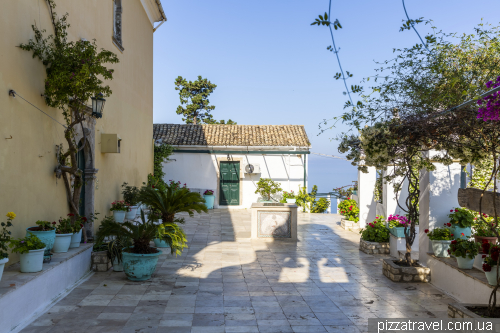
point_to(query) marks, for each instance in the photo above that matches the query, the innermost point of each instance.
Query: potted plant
(77, 227)
(140, 259)
(174, 232)
(376, 231)
(130, 196)
(46, 232)
(349, 208)
(64, 232)
(31, 250)
(119, 209)
(490, 267)
(484, 230)
(209, 197)
(441, 239)
(267, 187)
(465, 252)
(288, 197)
(4, 240)
(461, 220)
(397, 225)
(115, 252)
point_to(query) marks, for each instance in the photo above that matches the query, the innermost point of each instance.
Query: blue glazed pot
(160, 243)
(457, 232)
(440, 248)
(209, 201)
(47, 237)
(465, 263)
(139, 267)
(400, 231)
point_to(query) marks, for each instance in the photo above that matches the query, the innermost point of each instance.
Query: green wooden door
(229, 183)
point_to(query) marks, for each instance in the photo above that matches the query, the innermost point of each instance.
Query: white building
(230, 159)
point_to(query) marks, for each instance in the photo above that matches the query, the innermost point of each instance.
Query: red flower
(70, 214)
(444, 224)
(152, 186)
(453, 242)
(348, 198)
(372, 226)
(456, 210)
(81, 225)
(54, 222)
(451, 210)
(426, 230)
(463, 234)
(486, 267)
(451, 235)
(448, 224)
(84, 219)
(377, 217)
(483, 256)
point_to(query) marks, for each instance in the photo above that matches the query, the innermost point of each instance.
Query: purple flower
(22, 242)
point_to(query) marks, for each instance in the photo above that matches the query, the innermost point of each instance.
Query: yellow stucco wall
(28, 185)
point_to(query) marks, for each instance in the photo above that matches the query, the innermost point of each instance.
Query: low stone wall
(459, 310)
(397, 273)
(349, 225)
(373, 248)
(100, 261)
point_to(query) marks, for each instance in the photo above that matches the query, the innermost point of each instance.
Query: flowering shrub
(24, 245)
(464, 248)
(376, 231)
(493, 251)
(175, 185)
(461, 217)
(483, 227)
(120, 206)
(65, 226)
(349, 208)
(208, 192)
(398, 221)
(439, 234)
(490, 105)
(287, 195)
(5, 234)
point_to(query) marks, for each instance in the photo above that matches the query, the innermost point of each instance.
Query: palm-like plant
(170, 202)
(142, 233)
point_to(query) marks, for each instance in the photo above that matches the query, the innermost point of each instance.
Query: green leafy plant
(65, 226)
(162, 152)
(130, 194)
(464, 248)
(75, 71)
(439, 234)
(5, 234)
(119, 206)
(375, 231)
(320, 206)
(116, 246)
(308, 200)
(168, 202)
(379, 187)
(287, 195)
(485, 227)
(45, 225)
(267, 187)
(175, 233)
(26, 244)
(349, 208)
(462, 217)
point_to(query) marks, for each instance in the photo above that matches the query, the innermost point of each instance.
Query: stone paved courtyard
(225, 282)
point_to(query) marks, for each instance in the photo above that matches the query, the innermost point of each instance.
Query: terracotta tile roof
(231, 135)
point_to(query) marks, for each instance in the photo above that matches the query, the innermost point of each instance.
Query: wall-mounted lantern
(97, 106)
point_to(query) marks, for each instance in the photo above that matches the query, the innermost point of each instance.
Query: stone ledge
(459, 310)
(373, 247)
(398, 273)
(349, 225)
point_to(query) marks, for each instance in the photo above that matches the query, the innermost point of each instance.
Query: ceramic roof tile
(231, 135)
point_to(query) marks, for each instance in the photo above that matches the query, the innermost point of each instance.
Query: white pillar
(438, 194)
(367, 204)
(389, 195)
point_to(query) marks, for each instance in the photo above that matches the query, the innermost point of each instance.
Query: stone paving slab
(226, 282)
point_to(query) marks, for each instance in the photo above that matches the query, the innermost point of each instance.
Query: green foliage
(348, 190)
(65, 226)
(287, 195)
(169, 201)
(220, 122)
(349, 208)
(119, 206)
(26, 244)
(195, 96)
(267, 187)
(485, 227)
(115, 247)
(75, 72)
(320, 206)
(162, 153)
(130, 194)
(5, 236)
(439, 234)
(175, 233)
(461, 216)
(44, 225)
(379, 187)
(375, 231)
(481, 174)
(464, 248)
(306, 200)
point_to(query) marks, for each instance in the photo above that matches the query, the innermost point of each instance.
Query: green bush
(349, 208)
(461, 216)
(375, 232)
(439, 234)
(266, 187)
(320, 206)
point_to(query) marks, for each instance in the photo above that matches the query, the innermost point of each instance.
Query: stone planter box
(100, 261)
(459, 310)
(349, 225)
(274, 221)
(373, 248)
(397, 273)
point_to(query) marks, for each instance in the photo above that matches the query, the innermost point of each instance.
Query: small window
(117, 24)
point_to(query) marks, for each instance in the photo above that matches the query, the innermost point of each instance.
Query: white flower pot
(117, 267)
(130, 215)
(62, 243)
(119, 215)
(76, 239)
(32, 261)
(492, 276)
(2, 266)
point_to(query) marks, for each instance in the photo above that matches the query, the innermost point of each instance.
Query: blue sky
(272, 67)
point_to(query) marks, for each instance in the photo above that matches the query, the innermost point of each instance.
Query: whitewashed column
(366, 201)
(438, 194)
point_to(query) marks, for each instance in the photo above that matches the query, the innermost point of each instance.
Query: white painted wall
(389, 196)
(201, 170)
(438, 194)
(366, 201)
